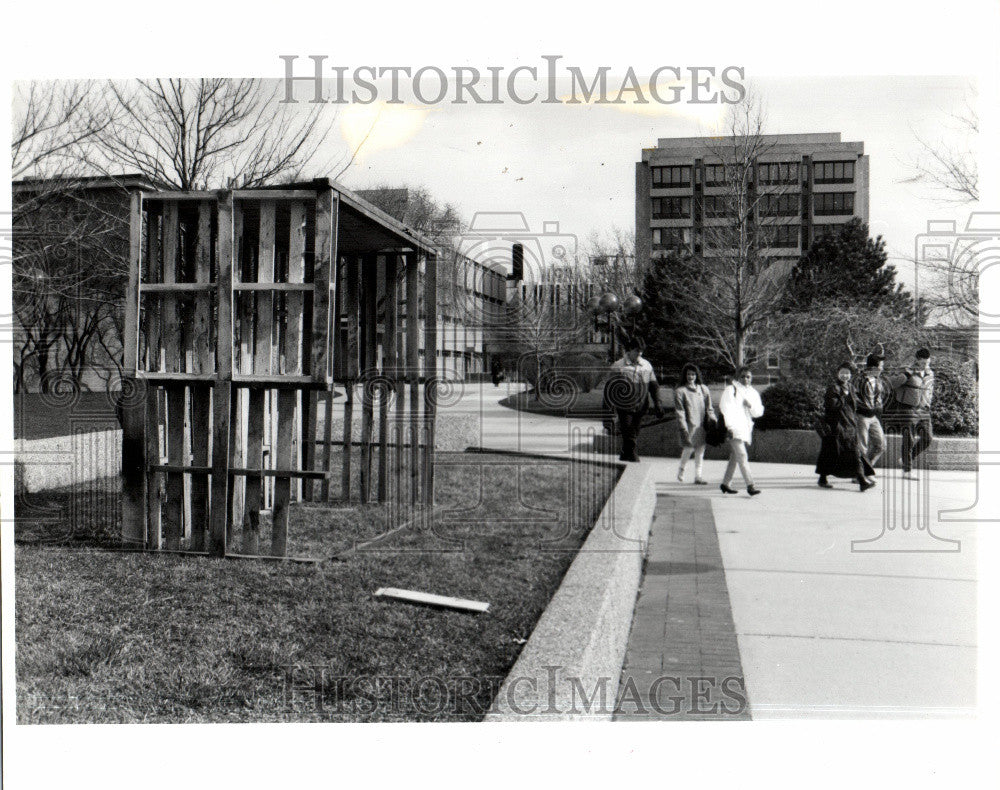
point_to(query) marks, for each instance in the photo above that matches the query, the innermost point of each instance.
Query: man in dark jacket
(872, 393)
(629, 390)
(914, 394)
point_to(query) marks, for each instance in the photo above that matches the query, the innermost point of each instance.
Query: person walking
(839, 454)
(629, 392)
(872, 393)
(914, 395)
(693, 406)
(739, 406)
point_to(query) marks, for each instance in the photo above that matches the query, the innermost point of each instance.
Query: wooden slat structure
(254, 320)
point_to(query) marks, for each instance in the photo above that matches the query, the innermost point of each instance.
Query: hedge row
(954, 410)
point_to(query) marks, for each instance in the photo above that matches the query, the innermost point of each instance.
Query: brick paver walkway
(682, 661)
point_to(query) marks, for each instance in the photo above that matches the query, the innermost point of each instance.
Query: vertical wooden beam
(282, 484)
(369, 352)
(293, 322)
(262, 322)
(175, 395)
(352, 299)
(327, 205)
(243, 261)
(155, 396)
(133, 409)
(399, 378)
(222, 391)
(413, 367)
(390, 320)
(201, 397)
(430, 373)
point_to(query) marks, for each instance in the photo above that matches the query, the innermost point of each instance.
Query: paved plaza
(805, 593)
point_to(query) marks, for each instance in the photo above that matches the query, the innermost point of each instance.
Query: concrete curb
(571, 666)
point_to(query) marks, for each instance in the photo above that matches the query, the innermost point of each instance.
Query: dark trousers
(917, 436)
(629, 423)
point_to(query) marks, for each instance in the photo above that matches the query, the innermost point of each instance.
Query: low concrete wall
(788, 446)
(44, 464)
(571, 665)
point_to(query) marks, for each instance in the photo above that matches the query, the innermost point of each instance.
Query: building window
(833, 172)
(672, 176)
(779, 205)
(819, 231)
(827, 203)
(672, 208)
(778, 173)
(773, 360)
(716, 206)
(782, 235)
(715, 175)
(671, 238)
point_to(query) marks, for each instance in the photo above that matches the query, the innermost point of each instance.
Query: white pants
(738, 457)
(699, 458)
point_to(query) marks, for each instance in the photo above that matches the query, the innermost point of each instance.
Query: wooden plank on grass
(133, 413)
(445, 601)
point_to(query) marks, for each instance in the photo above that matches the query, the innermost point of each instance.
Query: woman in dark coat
(839, 455)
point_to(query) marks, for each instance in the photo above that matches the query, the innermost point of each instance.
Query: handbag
(715, 430)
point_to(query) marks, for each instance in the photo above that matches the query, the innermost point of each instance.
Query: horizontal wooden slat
(279, 382)
(272, 286)
(156, 288)
(239, 471)
(157, 377)
(239, 194)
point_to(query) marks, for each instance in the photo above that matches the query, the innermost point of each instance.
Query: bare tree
(612, 262)
(950, 169)
(53, 122)
(208, 133)
(730, 290)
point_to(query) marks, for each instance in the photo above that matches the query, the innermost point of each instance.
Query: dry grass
(114, 637)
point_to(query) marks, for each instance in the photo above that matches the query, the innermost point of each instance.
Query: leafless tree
(733, 286)
(612, 262)
(53, 122)
(209, 133)
(950, 169)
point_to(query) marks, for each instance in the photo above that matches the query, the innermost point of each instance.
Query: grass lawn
(116, 637)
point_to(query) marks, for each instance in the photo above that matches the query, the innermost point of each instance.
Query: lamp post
(615, 311)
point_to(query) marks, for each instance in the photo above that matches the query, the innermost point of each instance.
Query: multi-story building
(801, 186)
(807, 185)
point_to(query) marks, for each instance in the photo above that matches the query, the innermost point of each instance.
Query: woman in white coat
(740, 405)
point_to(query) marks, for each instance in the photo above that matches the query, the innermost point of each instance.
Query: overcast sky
(575, 164)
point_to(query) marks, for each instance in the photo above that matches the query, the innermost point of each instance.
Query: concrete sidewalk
(834, 614)
(833, 617)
